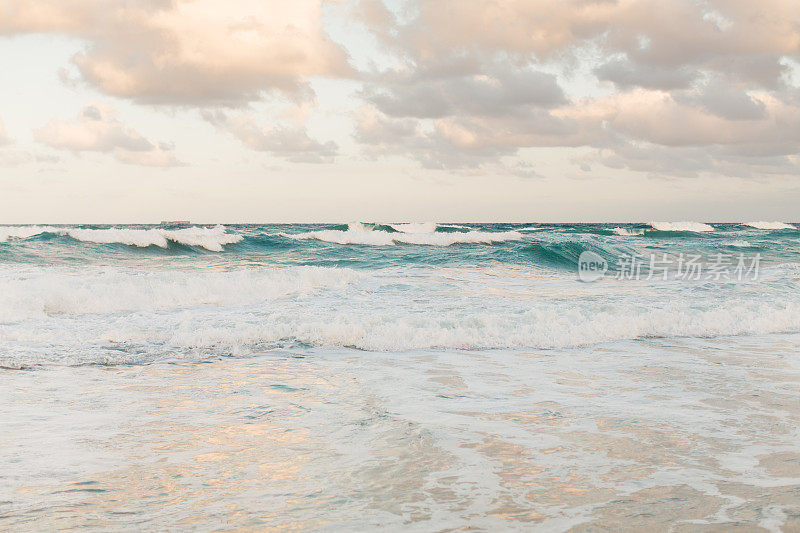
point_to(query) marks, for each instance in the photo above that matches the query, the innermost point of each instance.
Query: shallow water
(685, 435)
(414, 377)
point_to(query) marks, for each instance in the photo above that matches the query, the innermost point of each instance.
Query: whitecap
(24, 232)
(415, 227)
(383, 238)
(762, 224)
(211, 239)
(698, 227)
(628, 232)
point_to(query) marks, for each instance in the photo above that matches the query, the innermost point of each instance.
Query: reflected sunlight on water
(682, 434)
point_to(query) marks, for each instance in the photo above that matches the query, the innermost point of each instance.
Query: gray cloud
(625, 74)
(498, 89)
(700, 87)
(727, 101)
(290, 143)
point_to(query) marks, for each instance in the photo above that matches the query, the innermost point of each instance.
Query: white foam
(211, 239)
(415, 227)
(761, 224)
(541, 328)
(38, 292)
(532, 228)
(628, 232)
(355, 235)
(24, 232)
(457, 226)
(739, 243)
(91, 314)
(697, 227)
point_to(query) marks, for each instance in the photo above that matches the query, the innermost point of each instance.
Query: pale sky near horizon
(114, 111)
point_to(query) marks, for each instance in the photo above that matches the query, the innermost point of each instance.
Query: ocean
(414, 376)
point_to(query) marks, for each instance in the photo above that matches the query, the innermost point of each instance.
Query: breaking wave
(415, 227)
(627, 232)
(769, 225)
(359, 234)
(212, 239)
(39, 292)
(24, 232)
(696, 227)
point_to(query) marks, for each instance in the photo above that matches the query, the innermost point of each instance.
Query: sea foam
(761, 224)
(697, 227)
(38, 292)
(358, 234)
(415, 227)
(24, 232)
(628, 232)
(212, 239)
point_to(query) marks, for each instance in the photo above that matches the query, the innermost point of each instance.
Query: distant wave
(697, 227)
(24, 232)
(211, 239)
(628, 232)
(358, 234)
(761, 224)
(532, 228)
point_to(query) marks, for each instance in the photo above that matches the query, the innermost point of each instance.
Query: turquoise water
(138, 294)
(404, 376)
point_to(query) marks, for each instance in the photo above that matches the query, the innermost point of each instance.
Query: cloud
(697, 86)
(497, 89)
(665, 88)
(288, 142)
(189, 52)
(625, 74)
(727, 101)
(97, 129)
(435, 147)
(745, 38)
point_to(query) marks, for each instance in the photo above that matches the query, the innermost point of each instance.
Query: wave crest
(627, 232)
(697, 227)
(357, 234)
(762, 224)
(415, 227)
(212, 239)
(24, 232)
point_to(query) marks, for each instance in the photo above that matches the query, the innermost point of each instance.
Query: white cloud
(97, 129)
(189, 52)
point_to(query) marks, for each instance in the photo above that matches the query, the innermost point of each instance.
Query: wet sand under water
(662, 434)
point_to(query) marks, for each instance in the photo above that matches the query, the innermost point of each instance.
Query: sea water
(407, 376)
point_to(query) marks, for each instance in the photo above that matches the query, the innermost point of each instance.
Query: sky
(122, 111)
